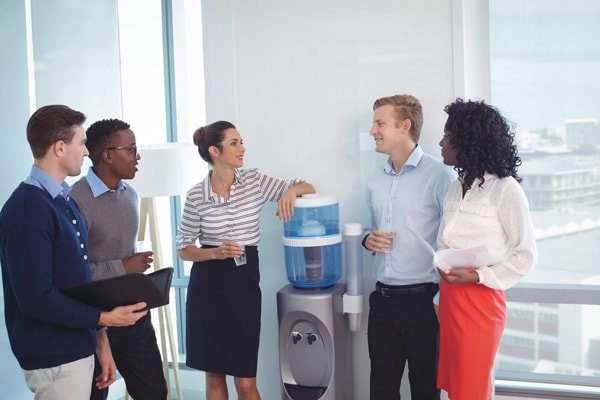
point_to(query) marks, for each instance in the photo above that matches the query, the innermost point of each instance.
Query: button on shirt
(495, 214)
(211, 219)
(412, 196)
(37, 177)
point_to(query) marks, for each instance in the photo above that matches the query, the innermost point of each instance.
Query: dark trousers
(403, 328)
(138, 360)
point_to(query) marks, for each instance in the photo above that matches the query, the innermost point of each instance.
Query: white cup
(241, 260)
(390, 235)
(143, 245)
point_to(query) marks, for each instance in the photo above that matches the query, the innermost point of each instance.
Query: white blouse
(496, 215)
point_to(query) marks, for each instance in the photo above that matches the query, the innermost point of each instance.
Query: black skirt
(223, 310)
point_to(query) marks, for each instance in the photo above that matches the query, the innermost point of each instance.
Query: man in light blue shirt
(405, 199)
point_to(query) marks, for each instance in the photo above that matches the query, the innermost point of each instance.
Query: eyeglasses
(131, 149)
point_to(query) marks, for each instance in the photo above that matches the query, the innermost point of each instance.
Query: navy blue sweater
(43, 247)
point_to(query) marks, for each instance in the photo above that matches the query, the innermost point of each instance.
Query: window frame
(472, 79)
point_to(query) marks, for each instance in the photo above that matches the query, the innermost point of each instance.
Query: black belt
(407, 290)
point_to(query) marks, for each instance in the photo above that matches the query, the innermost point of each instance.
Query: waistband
(210, 246)
(405, 290)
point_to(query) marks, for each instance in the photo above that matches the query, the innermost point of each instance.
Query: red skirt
(472, 318)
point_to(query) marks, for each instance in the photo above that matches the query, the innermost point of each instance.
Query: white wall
(299, 80)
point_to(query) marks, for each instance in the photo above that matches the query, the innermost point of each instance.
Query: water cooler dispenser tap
(311, 337)
(296, 337)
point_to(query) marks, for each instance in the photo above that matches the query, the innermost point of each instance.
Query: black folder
(124, 290)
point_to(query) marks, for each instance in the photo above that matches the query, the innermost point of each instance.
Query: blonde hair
(405, 107)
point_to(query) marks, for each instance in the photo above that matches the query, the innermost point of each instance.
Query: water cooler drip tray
(299, 392)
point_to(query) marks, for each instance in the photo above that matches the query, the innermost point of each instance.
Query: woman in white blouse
(485, 206)
(224, 299)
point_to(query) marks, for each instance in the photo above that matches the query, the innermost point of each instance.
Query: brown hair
(50, 124)
(405, 107)
(211, 135)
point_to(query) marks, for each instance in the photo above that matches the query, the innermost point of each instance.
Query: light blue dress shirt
(38, 177)
(415, 195)
(97, 186)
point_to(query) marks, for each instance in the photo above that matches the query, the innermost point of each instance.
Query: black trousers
(403, 328)
(138, 360)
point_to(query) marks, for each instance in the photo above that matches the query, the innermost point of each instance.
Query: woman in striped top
(223, 299)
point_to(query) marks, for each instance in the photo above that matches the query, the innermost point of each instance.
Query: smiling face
(449, 151)
(121, 156)
(387, 131)
(232, 150)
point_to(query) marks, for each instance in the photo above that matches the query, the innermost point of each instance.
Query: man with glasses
(110, 209)
(44, 248)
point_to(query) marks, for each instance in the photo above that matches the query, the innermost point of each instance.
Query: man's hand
(459, 275)
(139, 262)
(123, 315)
(379, 241)
(108, 372)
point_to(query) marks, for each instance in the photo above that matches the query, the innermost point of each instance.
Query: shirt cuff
(364, 244)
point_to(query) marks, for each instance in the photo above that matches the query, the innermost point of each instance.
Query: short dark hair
(50, 124)
(211, 135)
(99, 133)
(483, 140)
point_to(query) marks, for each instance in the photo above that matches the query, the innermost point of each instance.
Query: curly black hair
(483, 140)
(98, 134)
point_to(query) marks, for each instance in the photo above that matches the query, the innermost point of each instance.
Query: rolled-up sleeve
(189, 227)
(513, 214)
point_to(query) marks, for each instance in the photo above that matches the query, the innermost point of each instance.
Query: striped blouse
(211, 219)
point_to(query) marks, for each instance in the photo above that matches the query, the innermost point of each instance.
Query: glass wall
(114, 59)
(544, 77)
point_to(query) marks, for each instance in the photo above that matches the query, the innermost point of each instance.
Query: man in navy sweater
(43, 248)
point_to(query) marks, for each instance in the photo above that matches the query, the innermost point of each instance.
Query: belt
(393, 291)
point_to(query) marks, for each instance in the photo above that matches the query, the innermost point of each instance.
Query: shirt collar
(486, 175)
(38, 177)
(98, 187)
(207, 193)
(413, 160)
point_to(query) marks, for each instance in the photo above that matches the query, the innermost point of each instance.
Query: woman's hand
(285, 206)
(228, 250)
(459, 275)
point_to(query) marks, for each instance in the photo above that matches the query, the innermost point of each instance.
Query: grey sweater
(112, 220)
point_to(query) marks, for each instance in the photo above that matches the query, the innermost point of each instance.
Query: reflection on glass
(544, 73)
(557, 339)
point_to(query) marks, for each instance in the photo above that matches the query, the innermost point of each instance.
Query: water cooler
(316, 312)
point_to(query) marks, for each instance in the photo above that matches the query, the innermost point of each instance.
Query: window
(113, 59)
(544, 69)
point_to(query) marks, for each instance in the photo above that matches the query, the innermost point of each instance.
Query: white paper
(473, 257)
